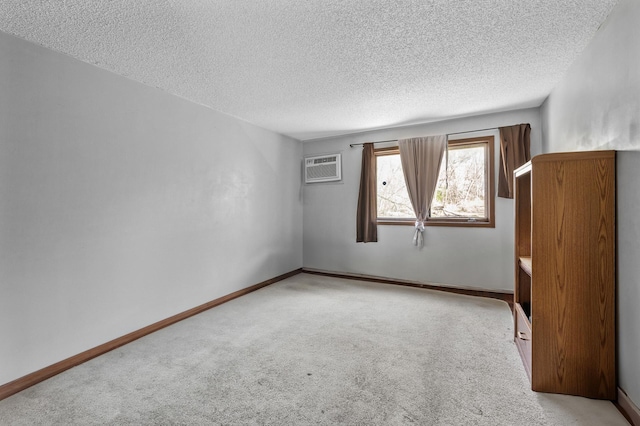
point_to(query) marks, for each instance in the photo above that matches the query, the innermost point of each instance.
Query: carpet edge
(503, 296)
(24, 382)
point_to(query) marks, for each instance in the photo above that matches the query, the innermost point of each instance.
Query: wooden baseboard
(24, 382)
(505, 297)
(628, 408)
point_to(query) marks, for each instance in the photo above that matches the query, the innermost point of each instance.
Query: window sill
(455, 223)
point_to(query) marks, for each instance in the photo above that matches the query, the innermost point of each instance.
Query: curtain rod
(448, 134)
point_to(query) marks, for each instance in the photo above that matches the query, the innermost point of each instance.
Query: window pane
(461, 187)
(393, 199)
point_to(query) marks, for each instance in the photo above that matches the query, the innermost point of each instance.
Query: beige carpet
(314, 350)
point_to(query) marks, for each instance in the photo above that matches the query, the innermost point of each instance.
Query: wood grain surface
(573, 281)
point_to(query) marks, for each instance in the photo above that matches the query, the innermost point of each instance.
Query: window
(464, 194)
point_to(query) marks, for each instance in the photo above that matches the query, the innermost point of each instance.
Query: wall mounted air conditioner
(322, 168)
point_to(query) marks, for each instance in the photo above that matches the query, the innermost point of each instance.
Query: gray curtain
(421, 158)
(514, 152)
(367, 213)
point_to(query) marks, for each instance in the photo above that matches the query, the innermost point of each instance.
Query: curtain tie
(417, 236)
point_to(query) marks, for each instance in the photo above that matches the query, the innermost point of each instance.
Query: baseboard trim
(504, 296)
(31, 379)
(628, 408)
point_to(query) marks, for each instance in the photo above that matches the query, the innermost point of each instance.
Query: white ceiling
(318, 68)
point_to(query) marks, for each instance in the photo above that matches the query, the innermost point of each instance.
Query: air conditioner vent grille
(321, 171)
(323, 160)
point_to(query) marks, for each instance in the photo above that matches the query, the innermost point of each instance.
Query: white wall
(597, 106)
(121, 205)
(480, 258)
(628, 224)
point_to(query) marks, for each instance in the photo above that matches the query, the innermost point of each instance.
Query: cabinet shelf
(525, 264)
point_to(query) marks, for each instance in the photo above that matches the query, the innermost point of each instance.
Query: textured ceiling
(324, 67)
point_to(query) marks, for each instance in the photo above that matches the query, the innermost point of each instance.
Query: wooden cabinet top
(573, 156)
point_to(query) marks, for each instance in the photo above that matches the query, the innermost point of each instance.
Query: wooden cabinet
(564, 308)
